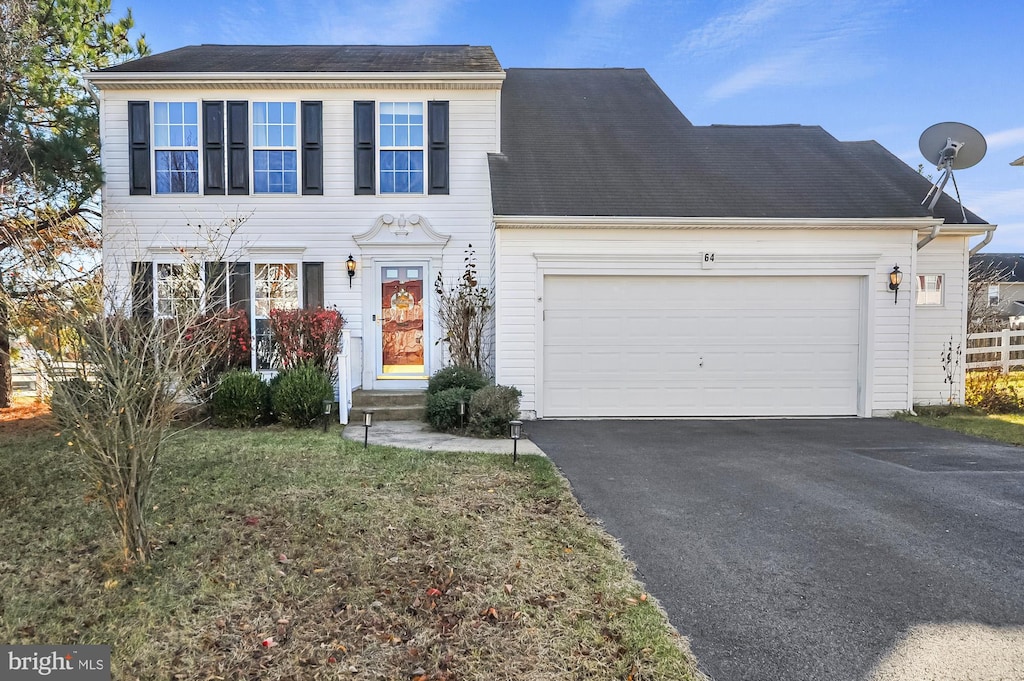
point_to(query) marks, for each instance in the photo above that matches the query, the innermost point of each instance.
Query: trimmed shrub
(491, 408)
(442, 410)
(297, 396)
(241, 399)
(456, 377)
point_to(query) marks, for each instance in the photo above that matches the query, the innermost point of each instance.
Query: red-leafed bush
(307, 337)
(230, 343)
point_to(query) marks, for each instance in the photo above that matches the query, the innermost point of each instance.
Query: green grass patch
(1007, 428)
(378, 563)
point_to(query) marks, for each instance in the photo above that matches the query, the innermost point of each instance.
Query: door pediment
(402, 230)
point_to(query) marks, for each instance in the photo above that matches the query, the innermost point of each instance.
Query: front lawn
(1002, 427)
(296, 555)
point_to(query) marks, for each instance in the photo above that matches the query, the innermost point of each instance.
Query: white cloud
(729, 30)
(1005, 138)
(1008, 202)
(595, 27)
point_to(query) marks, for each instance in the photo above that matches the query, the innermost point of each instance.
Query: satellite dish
(951, 146)
(958, 145)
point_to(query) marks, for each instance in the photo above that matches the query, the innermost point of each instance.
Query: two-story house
(640, 265)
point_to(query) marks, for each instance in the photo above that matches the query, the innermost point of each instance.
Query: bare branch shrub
(464, 310)
(983, 317)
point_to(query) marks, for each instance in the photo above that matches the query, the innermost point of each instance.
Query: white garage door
(701, 346)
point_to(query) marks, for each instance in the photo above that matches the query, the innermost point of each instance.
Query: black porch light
(895, 279)
(367, 424)
(350, 265)
(515, 431)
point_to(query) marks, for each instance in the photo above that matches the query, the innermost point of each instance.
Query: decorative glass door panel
(401, 321)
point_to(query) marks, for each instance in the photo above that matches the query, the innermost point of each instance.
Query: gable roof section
(316, 59)
(609, 142)
(998, 267)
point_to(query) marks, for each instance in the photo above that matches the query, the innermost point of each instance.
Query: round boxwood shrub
(241, 399)
(491, 408)
(456, 377)
(297, 396)
(442, 410)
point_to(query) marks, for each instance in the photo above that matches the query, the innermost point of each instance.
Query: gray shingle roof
(608, 142)
(998, 267)
(316, 59)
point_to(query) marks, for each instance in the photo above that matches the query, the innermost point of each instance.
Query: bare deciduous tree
(464, 311)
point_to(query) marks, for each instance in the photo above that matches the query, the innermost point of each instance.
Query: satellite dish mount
(950, 146)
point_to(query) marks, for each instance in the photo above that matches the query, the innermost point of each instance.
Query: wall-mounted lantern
(895, 279)
(350, 264)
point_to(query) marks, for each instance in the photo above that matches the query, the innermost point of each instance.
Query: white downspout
(984, 242)
(928, 239)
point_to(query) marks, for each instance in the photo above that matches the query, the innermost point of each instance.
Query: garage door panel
(677, 346)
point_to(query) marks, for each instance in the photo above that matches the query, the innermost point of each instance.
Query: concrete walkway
(418, 435)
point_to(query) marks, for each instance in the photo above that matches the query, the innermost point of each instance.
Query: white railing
(1003, 350)
(344, 377)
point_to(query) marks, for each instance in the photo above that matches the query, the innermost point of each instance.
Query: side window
(274, 148)
(400, 136)
(993, 294)
(929, 289)
(176, 147)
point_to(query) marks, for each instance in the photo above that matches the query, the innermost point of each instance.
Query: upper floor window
(400, 137)
(176, 147)
(274, 149)
(993, 294)
(929, 289)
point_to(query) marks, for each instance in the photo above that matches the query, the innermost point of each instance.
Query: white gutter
(928, 239)
(984, 242)
(612, 222)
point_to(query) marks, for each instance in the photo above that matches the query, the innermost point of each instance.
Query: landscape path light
(326, 412)
(367, 424)
(515, 431)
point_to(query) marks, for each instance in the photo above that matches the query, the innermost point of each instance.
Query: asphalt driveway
(807, 549)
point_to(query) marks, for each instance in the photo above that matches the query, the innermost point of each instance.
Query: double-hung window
(178, 289)
(176, 147)
(276, 287)
(400, 137)
(274, 148)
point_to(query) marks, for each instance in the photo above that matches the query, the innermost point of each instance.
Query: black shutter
(238, 288)
(437, 147)
(213, 147)
(142, 290)
(138, 148)
(312, 285)
(365, 170)
(312, 148)
(238, 147)
(216, 287)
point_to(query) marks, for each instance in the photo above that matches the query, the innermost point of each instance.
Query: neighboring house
(641, 265)
(999, 280)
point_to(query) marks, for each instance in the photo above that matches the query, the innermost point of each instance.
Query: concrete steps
(389, 405)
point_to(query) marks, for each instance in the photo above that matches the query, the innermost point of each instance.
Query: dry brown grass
(383, 564)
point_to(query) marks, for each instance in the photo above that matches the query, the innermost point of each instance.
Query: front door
(402, 342)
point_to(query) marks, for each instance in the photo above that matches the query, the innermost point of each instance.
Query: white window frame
(926, 297)
(254, 315)
(200, 291)
(422, 148)
(253, 148)
(157, 148)
(993, 300)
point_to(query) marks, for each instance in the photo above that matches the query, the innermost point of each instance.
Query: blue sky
(880, 69)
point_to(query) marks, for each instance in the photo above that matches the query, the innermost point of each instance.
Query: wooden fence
(1003, 350)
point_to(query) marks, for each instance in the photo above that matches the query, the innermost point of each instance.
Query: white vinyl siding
(935, 326)
(322, 225)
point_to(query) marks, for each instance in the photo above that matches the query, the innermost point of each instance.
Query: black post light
(895, 279)
(462, 413)
(328, 408)
(367, 424)
(515, 431)
(350, 264)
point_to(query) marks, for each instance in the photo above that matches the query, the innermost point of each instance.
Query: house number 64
(707, 260)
